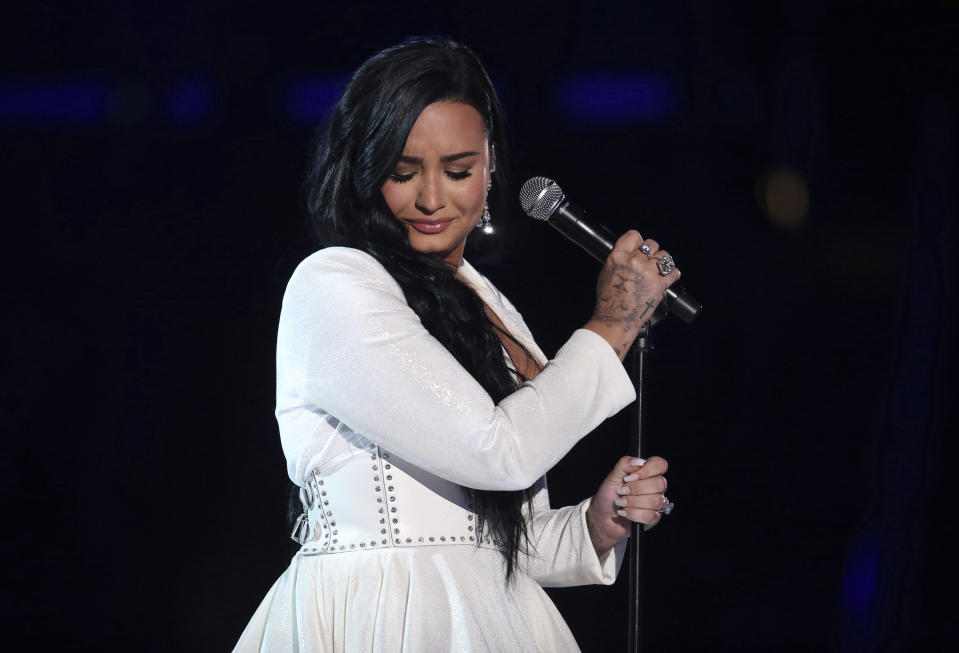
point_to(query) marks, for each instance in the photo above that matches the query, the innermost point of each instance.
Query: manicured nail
(630, 478)
(621, 513)
(620, 502)
(622, 490)
(637, 462)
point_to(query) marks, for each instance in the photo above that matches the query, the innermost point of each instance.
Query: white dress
(382, 428)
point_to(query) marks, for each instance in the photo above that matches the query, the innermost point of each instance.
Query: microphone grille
(539, 197)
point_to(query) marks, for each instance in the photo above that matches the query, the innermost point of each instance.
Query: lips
(430, 226)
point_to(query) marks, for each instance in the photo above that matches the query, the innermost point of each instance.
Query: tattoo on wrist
(594, 537)
(591, 529)
(649, 305)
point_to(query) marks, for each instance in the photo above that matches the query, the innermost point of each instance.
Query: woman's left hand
(635, 491)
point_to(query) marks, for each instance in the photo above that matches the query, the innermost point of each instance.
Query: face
(438, 188)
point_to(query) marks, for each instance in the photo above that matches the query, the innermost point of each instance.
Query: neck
(455, 258)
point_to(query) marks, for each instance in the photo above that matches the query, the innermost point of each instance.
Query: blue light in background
(599, 98)
(63, 102)
(859, 581)
(616, 98)
(191, 101)
(311, 99)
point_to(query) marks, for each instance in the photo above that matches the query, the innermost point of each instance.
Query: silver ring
(667, 506)
(666, 265)
(644, 248)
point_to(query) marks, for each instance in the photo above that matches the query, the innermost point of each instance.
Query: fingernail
(630, 478)
(622, 490)
(637, 462)
(620, 502)
(621, 513)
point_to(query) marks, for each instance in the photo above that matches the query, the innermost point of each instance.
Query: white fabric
(351, 352)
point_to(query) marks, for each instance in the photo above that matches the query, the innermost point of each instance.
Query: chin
(435, 246)
(439, 252)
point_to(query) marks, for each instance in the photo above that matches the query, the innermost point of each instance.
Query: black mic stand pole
(638, 370)
(599, 242)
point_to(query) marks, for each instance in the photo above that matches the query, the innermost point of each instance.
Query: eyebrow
(443, 159)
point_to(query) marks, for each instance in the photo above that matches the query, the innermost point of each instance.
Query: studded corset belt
(374, 500)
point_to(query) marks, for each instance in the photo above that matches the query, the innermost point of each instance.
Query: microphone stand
(598, 241)
(637, 445)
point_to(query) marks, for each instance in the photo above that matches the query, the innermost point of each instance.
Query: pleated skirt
(407, 599)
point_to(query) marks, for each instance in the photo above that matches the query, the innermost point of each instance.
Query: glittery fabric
(351, 352)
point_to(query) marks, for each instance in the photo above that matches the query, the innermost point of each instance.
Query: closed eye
(456, 176)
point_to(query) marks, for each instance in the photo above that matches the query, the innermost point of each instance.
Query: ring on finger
(645, 249)
(666, 265)
(667, 506)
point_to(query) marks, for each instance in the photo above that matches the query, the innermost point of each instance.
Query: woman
(416, 412)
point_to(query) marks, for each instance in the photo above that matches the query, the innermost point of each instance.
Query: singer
(417, 415)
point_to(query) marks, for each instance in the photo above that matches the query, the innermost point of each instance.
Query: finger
(653, 246)
(625, 466)
(640, 515)
(670, 278)
(642, 502)
(653, 485)
(655, 466)
(628, 465)
(629, 241)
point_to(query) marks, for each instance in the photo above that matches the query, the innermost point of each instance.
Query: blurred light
(616, 98)
(67, 102)
(783, 197)
(859, 580)
(191, 101)
(311, 100)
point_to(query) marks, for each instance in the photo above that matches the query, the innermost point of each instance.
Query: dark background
(152, 157)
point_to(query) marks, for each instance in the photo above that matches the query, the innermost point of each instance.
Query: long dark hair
(360, 147)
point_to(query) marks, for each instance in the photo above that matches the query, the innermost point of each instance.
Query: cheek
(393, 196)
(474, 193)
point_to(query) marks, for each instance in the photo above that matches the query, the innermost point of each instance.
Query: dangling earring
(485, 223)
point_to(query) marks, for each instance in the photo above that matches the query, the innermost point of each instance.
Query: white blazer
(382, 427)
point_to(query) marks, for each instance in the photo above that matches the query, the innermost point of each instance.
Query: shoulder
(335, 268)
(338, 260)
(349, 279)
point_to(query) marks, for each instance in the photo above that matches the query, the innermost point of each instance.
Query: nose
(430, 198)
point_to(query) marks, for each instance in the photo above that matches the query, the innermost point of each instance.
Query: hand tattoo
(622, 307)
(649, 305)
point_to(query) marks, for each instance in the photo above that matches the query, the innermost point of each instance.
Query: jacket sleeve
(560, 552)
(350, 346)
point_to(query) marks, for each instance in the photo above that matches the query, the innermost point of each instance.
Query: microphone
(543, 199)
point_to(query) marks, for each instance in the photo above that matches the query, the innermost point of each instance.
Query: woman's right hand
(630, 287)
